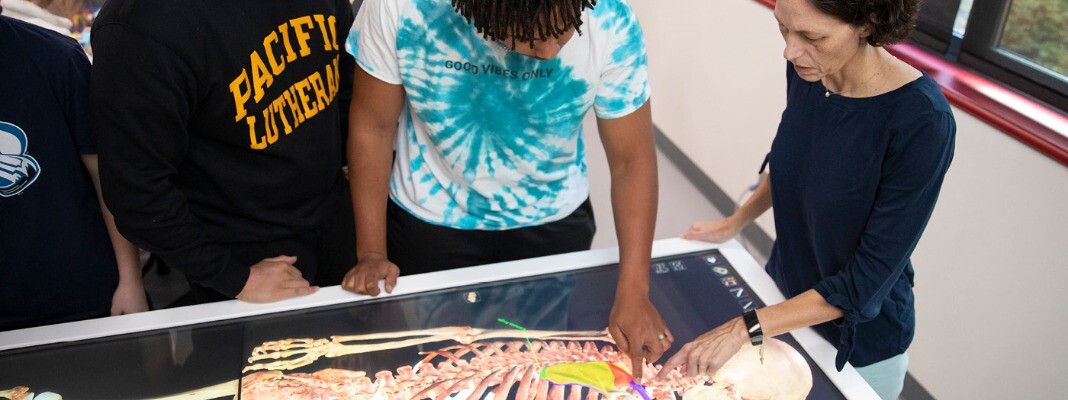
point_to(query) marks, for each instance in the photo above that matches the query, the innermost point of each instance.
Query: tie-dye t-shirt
(491, 139)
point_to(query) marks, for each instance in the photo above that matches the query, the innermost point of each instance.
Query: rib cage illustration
(489, 365)
(473, 369)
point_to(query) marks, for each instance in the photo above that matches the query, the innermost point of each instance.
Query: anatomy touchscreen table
(531, 329)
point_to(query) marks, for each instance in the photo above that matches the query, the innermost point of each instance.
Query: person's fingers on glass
(693, 362)
(706, 361)
(637, 359)
(718, 355)
(680, 359)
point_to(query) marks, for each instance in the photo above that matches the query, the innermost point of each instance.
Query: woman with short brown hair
(857, 164)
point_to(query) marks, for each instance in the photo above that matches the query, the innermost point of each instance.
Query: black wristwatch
(756, 335)
(752, 324)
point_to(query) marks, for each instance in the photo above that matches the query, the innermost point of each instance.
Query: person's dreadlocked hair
(523, 20)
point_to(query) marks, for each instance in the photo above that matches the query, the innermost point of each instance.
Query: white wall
(679, 203)
(991, 274)
(991, 267)
(719, 84)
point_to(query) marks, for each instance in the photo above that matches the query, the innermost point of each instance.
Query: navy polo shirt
(854, 182)
(56, 259)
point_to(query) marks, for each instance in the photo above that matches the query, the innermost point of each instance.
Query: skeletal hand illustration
(288, 354)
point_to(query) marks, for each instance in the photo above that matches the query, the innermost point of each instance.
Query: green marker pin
(514, 325)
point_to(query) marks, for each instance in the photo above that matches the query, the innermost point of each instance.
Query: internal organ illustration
(509, 369)
(601, 376)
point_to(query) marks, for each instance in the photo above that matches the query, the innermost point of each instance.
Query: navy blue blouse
(854, 182)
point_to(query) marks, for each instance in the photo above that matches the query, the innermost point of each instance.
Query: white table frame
(848, 381)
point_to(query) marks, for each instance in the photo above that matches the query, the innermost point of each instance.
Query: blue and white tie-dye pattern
(491, 139)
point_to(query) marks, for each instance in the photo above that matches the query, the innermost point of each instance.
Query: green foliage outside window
(1038, 30)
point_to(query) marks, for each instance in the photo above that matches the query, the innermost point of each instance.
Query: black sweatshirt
(220, 121)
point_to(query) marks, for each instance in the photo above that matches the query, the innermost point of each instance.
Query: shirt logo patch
(18, 169)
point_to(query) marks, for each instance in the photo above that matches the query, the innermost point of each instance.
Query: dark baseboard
(914, 390)
(759, 242)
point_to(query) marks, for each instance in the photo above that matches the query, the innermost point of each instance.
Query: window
(1023, 43)
(1037, 31)
(934, 28)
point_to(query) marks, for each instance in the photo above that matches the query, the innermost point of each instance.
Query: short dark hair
(890, 21)
(523, 20)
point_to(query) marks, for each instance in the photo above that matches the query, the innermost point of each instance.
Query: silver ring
(662, 336)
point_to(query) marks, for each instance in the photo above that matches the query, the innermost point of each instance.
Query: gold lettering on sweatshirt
(268, 119)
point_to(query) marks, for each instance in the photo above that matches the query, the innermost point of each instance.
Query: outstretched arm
(727, 228)
(634, 323)
(376, 106)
